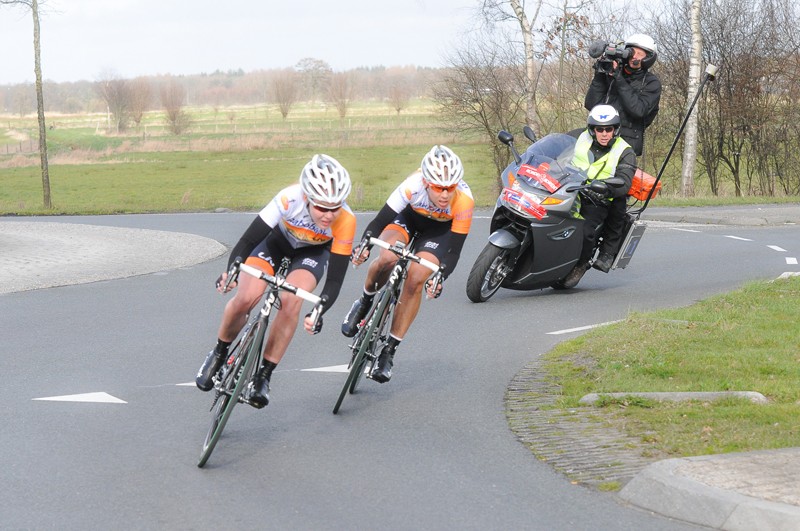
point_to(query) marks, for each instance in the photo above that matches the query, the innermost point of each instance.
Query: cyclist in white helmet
(436, 204)
(308, 222)
(631, 88)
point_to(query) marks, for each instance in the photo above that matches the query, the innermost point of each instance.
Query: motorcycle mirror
(529, 134)
(505, 137)
(599, 186)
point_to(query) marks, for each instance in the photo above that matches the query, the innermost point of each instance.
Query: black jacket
(634, 95)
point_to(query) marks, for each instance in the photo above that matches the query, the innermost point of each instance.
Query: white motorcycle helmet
(603, 115)
(325, 181)
(646, 43)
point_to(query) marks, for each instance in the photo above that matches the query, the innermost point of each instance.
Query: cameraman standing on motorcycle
(602, 153)
(623, 80)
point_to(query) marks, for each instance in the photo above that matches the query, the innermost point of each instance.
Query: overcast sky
(83, 39)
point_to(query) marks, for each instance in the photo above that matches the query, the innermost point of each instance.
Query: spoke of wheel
(366, 345)
(251, 346)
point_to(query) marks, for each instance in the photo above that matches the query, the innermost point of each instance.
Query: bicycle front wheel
(363, 345)
(233, 385)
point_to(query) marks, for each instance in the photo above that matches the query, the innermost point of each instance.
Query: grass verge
(747, 340)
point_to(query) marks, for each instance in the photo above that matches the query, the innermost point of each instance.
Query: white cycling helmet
(603, 115)
(442, 167)
(325, 182)
(646, 43)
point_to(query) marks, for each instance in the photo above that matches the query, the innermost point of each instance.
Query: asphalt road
(429, 450)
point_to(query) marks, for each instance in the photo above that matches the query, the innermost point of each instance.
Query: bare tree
(284, 90)
(173, 98)
(501, 10)
(116, 93)
(482, 91)
(315, 74)
(695, 68)
(340, 92)
(141, 96)
(33, 5)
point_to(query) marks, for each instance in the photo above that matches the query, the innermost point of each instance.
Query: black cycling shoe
(259, 395)
(354, 317)
(382, 371)
(604, 262)
(205, 376)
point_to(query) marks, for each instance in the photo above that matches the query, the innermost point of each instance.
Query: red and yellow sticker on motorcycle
(521, 201)
(540, 175)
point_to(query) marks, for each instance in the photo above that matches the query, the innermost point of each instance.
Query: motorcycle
(536, 230)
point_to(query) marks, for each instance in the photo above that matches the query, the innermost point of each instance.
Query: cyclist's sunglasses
(604, 129)
(326, 209)
(439, 189)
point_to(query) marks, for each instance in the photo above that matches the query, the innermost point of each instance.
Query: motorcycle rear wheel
(488, 272)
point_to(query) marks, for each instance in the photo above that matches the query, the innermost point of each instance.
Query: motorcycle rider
(308, 222)
(631, 89)
(602, 153)
(435, 203)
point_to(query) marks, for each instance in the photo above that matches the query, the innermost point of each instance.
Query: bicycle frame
(232, 384)
(376, 327)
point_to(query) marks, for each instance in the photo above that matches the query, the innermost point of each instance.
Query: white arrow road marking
(791, 261)
(85, 397)
(776, 248)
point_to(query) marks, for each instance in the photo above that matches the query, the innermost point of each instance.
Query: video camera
(607, 53)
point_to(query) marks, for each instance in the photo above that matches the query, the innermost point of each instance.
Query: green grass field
(746, 340)
(235, 158)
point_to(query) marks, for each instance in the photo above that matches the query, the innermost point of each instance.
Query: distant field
(233, 157)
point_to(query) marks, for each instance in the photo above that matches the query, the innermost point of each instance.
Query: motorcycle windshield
(546, 164)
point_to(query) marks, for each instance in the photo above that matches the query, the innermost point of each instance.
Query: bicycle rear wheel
(233, 385)
(363, 346)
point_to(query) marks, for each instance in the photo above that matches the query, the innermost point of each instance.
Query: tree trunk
(690, 143)
(531, 114)
(37, 68)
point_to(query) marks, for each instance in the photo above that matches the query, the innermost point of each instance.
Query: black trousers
(606, 220)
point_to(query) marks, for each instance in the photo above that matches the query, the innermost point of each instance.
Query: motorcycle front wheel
(488, 272)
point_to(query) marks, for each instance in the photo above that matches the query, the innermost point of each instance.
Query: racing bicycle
(373, 331)
(233, 381)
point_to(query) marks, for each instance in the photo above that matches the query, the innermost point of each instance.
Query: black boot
(604, 262)
(354, 317)
(259, 395)
(205, 376)
(382, 371)
(575, 276)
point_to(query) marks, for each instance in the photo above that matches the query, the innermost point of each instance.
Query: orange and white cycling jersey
(288, 212)
(412, 192)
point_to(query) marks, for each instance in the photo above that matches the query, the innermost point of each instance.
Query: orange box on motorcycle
(642, 184)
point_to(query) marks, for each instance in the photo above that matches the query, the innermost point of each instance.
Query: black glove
(596, 198)
(317, 326)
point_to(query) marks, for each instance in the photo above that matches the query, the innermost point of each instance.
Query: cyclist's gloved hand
(314, 328)
(435, 282)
